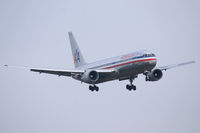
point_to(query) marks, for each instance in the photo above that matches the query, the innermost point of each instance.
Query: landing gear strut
(131, 86)
(94, 88)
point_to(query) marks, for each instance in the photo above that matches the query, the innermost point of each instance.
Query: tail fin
(76, 53)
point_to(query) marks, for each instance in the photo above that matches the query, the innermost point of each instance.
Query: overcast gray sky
(34, 33)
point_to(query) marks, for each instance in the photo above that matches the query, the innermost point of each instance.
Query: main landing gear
(94, 88)
(131, 86)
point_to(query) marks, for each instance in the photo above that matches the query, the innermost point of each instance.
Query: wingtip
(192, 61)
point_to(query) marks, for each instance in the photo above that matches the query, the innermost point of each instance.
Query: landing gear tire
(134, 87)
(128, 87)
(97, 88)
(131, 87)
(147, 78)
(93, 88)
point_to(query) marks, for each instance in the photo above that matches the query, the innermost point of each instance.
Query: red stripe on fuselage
(143, 60)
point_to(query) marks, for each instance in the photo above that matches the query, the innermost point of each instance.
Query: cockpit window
(144, 55)
(148, 55)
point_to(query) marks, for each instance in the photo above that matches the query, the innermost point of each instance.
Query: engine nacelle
(90, 76)
(154, 75)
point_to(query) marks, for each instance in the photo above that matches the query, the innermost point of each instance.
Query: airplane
(123, 67)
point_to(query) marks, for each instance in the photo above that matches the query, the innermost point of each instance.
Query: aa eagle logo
(76, 56)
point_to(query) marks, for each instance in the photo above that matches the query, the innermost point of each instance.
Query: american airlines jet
(124, 67)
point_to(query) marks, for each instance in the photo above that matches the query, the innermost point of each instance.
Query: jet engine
(154, 75)
(90, 77)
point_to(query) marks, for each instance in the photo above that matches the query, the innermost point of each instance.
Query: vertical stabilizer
(76, 53)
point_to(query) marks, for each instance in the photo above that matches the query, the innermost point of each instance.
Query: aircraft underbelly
(129, 70)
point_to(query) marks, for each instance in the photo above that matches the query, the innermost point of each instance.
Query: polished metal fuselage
(126, 66)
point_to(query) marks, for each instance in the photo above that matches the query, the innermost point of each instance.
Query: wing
(62, 72)
(175, 65)
(57, 71)
(67, 72)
